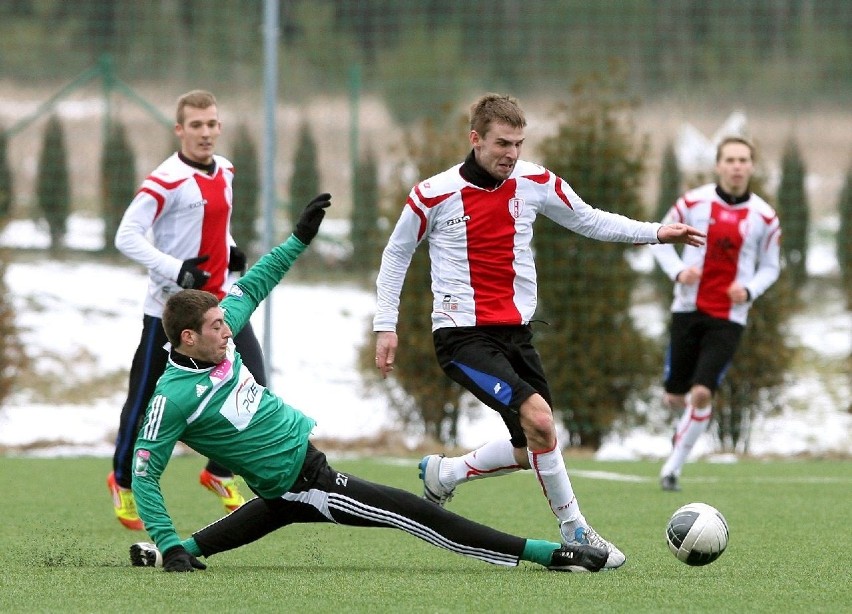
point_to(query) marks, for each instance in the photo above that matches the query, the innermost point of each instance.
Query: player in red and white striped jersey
(715, 285)
(178, 227)
(478, 219)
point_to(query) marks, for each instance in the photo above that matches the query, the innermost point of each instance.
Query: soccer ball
(697, 534)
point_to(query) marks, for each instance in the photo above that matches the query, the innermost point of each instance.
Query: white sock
(494, 458)
(692, 424)
(549, 468)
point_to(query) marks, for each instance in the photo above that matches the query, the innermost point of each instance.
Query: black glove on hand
(309, 222)
(190, 275)
(237, 260)
(177, 558)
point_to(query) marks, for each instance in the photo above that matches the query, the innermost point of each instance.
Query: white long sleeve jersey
(482, 266)
(179, 212)
(743, 244)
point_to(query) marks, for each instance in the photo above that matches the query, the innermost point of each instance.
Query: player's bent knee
(700, 396)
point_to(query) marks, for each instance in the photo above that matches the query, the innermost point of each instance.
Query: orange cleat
(124, 504)
(225, 488)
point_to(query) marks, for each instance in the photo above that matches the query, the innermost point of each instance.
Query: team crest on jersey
(450, 303)
(140, 464)
(516, 207)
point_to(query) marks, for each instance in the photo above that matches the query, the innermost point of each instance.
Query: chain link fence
(363, 77)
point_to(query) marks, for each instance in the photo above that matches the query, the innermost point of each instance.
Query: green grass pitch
(790, 547)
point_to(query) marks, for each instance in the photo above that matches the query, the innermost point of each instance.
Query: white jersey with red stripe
(483, 272)
(743, 245)
(179, 212)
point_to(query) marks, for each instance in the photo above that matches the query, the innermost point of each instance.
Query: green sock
(539, 551)
(191, 546)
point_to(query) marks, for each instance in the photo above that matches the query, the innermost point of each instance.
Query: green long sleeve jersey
(222, 413)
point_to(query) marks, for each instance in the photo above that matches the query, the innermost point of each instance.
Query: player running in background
(478, 219)
(184, 206)
(715, 286)
(209, 399)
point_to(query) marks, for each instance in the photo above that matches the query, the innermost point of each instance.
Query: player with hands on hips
(715, 285)
(178, 227)
(478, 220)
(208, 399)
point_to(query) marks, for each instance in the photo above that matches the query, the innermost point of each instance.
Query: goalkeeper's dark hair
(197, 99)
(185, 310)
(492, 108)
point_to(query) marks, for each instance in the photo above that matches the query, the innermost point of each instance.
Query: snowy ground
(82, 319)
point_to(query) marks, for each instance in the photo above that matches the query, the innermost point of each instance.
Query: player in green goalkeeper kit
(210, 401)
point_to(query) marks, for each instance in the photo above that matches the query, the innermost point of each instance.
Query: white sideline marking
(625, 477)
(610, 475)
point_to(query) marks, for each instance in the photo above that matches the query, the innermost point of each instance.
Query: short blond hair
(734, 139)
(496, 108)
(197, 99)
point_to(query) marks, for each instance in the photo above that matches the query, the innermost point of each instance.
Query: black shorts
(701, 350)
(322, 494)
(498, 364)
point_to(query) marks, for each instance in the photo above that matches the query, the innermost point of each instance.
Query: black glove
(309, 222)
(237, 260)
(177, 558)
(190, 275)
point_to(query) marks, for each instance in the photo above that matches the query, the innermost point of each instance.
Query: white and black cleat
(578, 558)
(144, 554)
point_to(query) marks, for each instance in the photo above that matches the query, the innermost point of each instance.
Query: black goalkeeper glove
(237, 260)
(190, 275)
(177, 558)
(311, 218)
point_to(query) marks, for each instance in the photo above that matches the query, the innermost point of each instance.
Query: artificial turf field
(790, 550)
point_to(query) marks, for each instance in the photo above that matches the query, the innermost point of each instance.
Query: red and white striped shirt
(179, 212)
(743, 245)
(483, 272)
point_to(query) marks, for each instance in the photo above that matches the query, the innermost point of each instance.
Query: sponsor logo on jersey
(236, 291)
(458, 220)
(140, 464)
(516, 207)
(197, 204)
(450, 303)
(222, 370)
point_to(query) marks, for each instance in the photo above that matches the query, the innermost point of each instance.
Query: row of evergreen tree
(601, 366)
(119, 183)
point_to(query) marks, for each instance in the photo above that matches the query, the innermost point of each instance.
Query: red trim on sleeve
(561, 193)
(159, 198)
(420, 215)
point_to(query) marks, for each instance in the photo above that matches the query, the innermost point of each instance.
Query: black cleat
(670, 483)
(578, 558)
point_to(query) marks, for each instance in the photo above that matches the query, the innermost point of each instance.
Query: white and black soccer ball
(697, 534)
